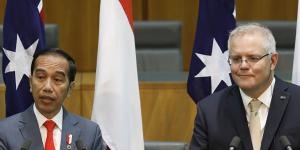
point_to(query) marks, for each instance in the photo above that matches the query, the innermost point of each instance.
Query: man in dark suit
(259, 109)
(47, 124)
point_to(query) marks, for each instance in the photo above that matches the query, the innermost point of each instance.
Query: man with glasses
(259, 109)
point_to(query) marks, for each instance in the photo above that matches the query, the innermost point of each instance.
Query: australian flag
(23, 35)
(209, 70)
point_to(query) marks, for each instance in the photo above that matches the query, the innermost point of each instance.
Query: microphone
(26, 145)
(285, 142)
(234, 143)
(80, 145)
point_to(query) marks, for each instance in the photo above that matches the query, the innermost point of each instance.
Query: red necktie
(50, 125)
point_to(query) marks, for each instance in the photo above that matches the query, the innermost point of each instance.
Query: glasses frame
(247, 60)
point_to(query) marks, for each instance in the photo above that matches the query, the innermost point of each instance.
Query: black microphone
(26, 145)
(234, 143)
(80, 145)
(285, 143)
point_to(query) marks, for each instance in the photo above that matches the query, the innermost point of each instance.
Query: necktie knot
(50, 125)
(254, 105)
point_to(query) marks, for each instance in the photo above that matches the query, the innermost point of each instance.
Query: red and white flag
(117, 101)
(296, 63)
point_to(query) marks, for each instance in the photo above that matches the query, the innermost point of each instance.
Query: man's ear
(71, 86)
(274, 60)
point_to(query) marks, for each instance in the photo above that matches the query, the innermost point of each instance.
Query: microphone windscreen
(284, 141)
(26, 145)
(235, 142)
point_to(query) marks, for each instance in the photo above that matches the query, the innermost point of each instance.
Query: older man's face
(50, 84)
(250, 76)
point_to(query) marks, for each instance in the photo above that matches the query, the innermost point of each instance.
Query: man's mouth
(45, 97)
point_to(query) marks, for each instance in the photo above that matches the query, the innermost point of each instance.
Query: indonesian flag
(116, 101)
(296, 64)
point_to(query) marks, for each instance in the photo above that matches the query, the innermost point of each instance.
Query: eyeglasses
(251, 60)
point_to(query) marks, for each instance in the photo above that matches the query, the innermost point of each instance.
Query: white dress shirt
(263, 111)
(57, 130)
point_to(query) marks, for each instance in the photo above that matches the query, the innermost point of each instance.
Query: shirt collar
(265, 97)
(41, 118)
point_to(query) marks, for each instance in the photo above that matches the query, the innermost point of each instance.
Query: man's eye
(236, 59)
(40, 77)
(253, 59)
(58, 79)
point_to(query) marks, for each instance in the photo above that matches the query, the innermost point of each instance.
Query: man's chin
(245, 86)
(48, 113)
(45, 108)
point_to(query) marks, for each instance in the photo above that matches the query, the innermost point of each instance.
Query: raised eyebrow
(39, 70)
(254, 56)
(230, 56)
(60, 73)
(250, 55)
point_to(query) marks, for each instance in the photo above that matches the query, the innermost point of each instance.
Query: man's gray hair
(269, 44)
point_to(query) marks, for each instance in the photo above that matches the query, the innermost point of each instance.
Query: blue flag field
(209, 70)
(23, 36)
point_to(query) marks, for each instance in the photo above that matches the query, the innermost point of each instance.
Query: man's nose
(244, 63)
(48, 86)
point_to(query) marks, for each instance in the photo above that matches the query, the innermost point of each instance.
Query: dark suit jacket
(222, 116)
(17, 129)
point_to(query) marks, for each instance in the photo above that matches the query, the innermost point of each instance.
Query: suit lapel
(69, 128)
(278, 105)
(30, 130)
(237, 115)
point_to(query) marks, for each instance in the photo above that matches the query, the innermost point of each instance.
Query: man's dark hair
(57, 52)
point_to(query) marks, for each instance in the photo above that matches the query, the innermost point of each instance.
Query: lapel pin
(282, 97)
(69, 141)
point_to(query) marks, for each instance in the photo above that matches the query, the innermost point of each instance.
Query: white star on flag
(216, 66)
(20, 60)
